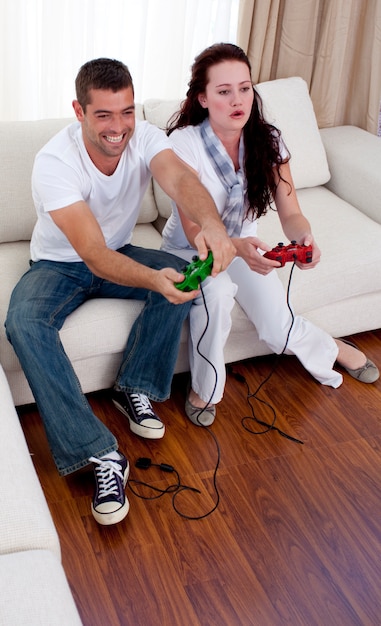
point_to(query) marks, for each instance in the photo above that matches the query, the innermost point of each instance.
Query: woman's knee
(218, 289)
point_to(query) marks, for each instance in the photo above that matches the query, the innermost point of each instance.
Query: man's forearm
(182, 185)
(196, 202)
(117, 268)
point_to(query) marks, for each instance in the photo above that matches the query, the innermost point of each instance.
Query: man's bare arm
(181, 183)
(83, 232)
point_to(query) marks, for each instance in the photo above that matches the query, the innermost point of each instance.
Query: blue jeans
(39, 305)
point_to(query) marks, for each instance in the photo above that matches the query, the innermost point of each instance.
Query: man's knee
(13, 323)
(19, 322)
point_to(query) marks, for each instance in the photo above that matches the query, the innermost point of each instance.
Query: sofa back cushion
(288, 106)
(19, 143)
(158, 112)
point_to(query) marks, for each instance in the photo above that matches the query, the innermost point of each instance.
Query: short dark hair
(101, 74)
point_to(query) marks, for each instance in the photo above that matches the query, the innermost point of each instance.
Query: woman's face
(228, 96)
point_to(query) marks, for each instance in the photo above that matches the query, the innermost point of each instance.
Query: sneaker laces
(105, 472)
(142, 404)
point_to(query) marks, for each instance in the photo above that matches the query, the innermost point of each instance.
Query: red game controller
(293, 252)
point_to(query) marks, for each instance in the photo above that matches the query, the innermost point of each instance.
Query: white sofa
(34, 588)
(338, 181)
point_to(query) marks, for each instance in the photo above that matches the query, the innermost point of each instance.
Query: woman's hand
(247, 248)
(308, 240)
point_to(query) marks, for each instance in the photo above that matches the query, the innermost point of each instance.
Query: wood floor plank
(296, 536)
(82, 566)
(203, 552)
(282, 553)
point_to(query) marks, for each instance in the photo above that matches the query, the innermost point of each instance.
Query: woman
(220, 132)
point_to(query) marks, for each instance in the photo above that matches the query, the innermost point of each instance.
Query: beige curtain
(335, 45)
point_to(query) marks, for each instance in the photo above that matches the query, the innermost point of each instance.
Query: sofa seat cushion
(35, 591)
(345, 272)
(26, 524)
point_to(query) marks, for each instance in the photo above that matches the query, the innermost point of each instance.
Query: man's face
(108, 123)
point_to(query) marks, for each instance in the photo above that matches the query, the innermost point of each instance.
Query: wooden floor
(295, 538)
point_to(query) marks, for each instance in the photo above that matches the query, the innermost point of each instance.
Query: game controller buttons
(291, 253)
(195, 272)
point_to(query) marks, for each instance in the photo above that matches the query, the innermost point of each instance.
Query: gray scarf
(233, 181)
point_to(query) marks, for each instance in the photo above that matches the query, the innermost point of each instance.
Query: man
(88, 182)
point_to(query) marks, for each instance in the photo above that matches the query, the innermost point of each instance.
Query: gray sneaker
(200, 416)
(368, 373)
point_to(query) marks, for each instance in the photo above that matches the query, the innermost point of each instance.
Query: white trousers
(263, 299)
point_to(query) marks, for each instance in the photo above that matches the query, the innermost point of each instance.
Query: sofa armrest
(354, 159)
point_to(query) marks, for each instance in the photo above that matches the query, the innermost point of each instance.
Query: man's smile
(113, 139)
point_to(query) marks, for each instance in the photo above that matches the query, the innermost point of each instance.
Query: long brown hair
(261, 140)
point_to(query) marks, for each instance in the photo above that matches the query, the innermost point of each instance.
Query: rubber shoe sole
(108, 518)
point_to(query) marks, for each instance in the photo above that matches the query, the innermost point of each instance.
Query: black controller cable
(240, 378)
(176, 488)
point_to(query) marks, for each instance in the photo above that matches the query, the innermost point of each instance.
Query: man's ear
(78, 111)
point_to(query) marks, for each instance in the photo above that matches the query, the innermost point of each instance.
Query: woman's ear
(202, 100)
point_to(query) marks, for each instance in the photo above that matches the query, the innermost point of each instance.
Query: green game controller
(195, 272)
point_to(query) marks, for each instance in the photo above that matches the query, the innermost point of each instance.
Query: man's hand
(165, 284)
(77, 219)
(216, 239)
(201, 222)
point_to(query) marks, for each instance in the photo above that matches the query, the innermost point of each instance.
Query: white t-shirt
(188, 144)
(63, 173)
